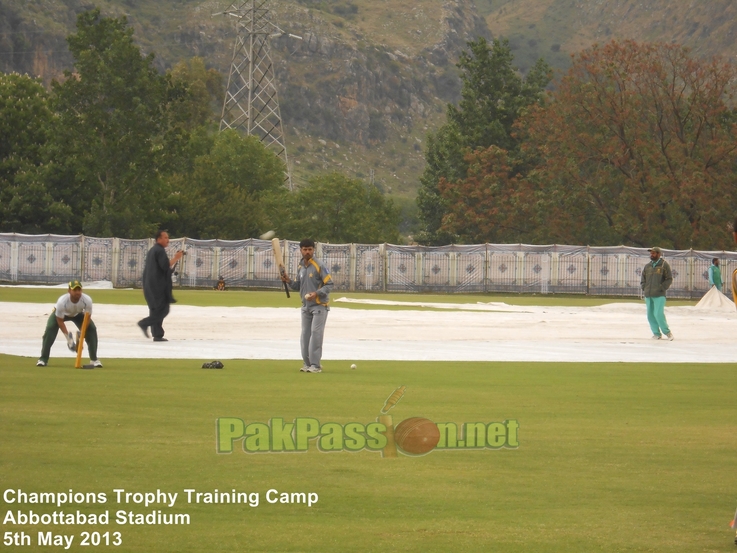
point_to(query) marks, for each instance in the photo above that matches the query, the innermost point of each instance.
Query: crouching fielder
(314, 284)
(70, 307)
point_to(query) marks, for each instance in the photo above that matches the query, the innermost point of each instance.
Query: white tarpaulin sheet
(472, 332)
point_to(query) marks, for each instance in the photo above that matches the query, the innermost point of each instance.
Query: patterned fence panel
(728, 264)
(199, 265)
(234, 264)
(470, 268)
(97, 259)
(536, 266)
(605, 277)
(44, 259)
(401, 268)
(369, 268)
(633, 264)
(337, 257)
(65, 262)
(265, 269)
(32, 265)
(435, 267)
(701, 275)
(293, 256)
(682, 267)
(6, 261)
(131, 260)
(502, 273)
(505, 268)
(570, 272)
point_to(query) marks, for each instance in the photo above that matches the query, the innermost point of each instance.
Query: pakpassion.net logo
(412, 436)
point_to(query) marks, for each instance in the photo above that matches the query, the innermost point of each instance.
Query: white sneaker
(40, 363)
(313, 369)
(669, 336)
(304, 369)
(657, 337)
(96, 363)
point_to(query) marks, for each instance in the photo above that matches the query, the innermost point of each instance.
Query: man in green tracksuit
(656, 279)
(715, 274)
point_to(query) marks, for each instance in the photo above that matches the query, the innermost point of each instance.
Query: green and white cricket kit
(313, 276)
(69, 311)
(715, 276)
(656, 279)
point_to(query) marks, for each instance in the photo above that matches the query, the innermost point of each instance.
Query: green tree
(337, 209)
(234, 190)
(26, 203)
(113, 136)
(493, 95)
(205, 89)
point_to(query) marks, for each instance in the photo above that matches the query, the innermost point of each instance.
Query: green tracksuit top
(656, 279)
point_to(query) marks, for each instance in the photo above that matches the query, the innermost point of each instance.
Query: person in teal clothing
(715, 274)
(656, 279)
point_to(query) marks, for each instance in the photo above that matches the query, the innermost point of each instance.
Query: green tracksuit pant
(52, 329)
(656, 315)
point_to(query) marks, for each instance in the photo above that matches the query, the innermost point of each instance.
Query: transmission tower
(251, 102)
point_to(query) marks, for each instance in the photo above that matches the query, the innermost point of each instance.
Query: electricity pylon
(251, 102)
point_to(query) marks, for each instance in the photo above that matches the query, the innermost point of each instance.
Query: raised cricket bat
(276, 247)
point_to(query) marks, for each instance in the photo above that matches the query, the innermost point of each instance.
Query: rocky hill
(358, 93)
(369, 78)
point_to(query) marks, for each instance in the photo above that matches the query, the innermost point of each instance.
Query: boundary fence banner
(505, 268)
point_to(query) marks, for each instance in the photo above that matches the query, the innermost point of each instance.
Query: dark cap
(655, 249)
(74, 284)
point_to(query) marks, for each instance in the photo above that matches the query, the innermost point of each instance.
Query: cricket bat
(276, 247)
(80, 345)
(734, 297)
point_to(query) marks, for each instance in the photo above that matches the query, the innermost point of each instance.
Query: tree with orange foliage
(483, 207)
(637, 146)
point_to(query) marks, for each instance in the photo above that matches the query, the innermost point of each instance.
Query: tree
(113, 134)
(234, 190)
(26, 203)
(484, 206)
(335, 208)
(493, 96)
(205, 90)
(638, 146)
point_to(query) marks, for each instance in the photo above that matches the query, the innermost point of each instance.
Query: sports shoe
(657, 336)
(669, 336)
(96, 363)
(305, 369)
(160, 339)
(40, 363)
(313, 369)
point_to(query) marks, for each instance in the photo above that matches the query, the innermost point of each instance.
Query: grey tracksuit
(313, 276)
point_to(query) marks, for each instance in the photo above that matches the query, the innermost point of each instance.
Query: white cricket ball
(268, 235)
(353, 366)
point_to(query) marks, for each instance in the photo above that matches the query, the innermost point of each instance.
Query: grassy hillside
(370, 78)
(554, 29)
(358, 93)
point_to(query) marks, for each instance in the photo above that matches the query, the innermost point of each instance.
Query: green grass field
(612, 457)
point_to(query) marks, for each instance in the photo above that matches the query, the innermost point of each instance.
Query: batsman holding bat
(72, 306)
(314, 284)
